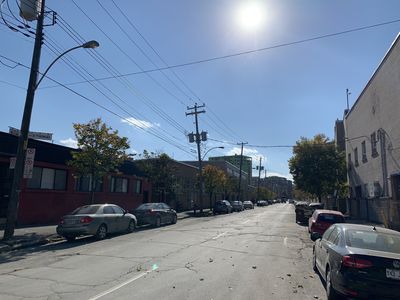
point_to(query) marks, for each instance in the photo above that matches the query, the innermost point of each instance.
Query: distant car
(248, 205)
(222, 206)
(359, 261)
(262, 203)
(155, 214)
(96, 219)
(237, 206)
(299, 210)
(322, 219)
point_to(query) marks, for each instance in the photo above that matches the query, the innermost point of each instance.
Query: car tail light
(86, 220)
(354, 262)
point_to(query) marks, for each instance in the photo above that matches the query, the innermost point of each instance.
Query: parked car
(299, 210)
(359, 261)
(96, 219)
(248, 205)
(222, 206)
(155, 214)
(262, 203)
(322, 219)
(237, 206)
(304, 210)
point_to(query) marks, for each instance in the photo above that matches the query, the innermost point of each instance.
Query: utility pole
(259, 176)
(198, 139)
(240, 169)
(12, 208)
(347, 98)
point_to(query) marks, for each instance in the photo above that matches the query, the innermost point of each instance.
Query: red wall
(38, 206)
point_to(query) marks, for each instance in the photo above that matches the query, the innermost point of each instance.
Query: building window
(377, 189)
(119, 185)
(364, 152)
(84, 184)
(374, 151)
(48, 179)
(356, 157)
(138, 188)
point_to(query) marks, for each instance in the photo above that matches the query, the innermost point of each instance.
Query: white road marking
(285, 241)
(246, 221)
(219, 235)
(113, 289)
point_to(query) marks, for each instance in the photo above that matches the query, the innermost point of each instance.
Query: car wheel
(70, 238)
(158, 222)
(330, 292)
(131, 226)
(101, 232)
(174, 219)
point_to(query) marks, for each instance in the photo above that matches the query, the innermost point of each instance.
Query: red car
(322, 219)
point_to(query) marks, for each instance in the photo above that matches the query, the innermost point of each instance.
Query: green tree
(101, 150)
(317, 166)
(160, 169)
(214, 180)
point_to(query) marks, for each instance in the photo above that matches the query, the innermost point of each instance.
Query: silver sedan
(98, 220)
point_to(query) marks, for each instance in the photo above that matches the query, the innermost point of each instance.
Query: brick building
(53, 190)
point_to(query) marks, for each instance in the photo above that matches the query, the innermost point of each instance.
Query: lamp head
(91, 45)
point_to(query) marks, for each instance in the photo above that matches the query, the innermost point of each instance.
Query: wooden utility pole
(12, 208)
(198, 140)
(240, 169)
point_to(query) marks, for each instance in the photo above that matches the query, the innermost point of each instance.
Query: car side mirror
(315, 236)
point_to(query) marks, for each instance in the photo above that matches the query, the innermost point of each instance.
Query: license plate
(393, 274)
(71, 221)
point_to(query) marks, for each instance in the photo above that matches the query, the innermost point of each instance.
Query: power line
(252, 51)
(161, 59)
(101, 106)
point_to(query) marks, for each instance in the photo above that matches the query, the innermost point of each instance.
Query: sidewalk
(29, 236)
(40, 235)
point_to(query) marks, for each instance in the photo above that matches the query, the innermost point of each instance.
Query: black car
(237, 206)
(359, 261)
(222, 206)
(155, 214)
(262, 203)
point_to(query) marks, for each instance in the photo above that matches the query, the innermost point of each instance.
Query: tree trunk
(211, 193)
(93, 188)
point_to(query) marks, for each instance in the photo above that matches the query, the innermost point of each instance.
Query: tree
(101, 151)
(214, 180)
(160, 169)
(317, 166)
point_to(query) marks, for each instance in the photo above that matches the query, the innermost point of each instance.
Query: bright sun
(250, 15)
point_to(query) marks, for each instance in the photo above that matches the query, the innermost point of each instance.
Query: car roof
(327, 211)
(347, 226)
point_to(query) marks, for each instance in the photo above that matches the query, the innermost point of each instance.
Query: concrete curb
(21, 244)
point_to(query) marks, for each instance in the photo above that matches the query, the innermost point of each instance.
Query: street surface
(255, 254)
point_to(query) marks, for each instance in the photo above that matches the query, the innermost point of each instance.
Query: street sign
(30, 158)
(32, 134)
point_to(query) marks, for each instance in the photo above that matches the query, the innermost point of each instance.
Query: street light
(219, 147)
(88, 45)
(33, 84)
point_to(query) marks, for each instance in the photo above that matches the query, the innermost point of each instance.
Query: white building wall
(377, 110)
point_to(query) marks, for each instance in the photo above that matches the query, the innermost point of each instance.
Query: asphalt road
(255, 254)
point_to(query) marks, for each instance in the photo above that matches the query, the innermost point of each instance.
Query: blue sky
(266, 98)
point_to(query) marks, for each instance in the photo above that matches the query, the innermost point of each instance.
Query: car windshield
(86, 210)
(146, 206)
(330, 218)
(373, 240)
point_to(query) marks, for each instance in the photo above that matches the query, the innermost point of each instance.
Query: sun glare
(251, 15)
